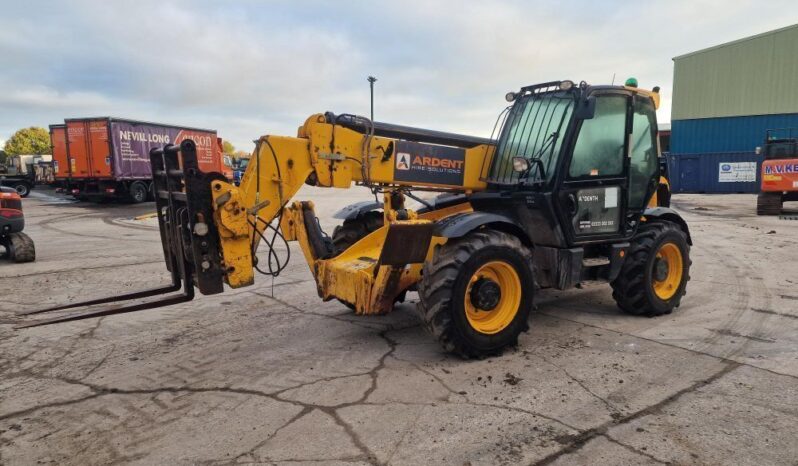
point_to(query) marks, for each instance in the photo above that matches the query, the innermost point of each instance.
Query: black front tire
(442, 292)
(353, 230)
(633, 289)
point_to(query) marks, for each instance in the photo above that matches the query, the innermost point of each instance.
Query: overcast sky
(247, 68)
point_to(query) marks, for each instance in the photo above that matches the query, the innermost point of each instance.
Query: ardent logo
(424, 163)
(429, 161)
(403, 161)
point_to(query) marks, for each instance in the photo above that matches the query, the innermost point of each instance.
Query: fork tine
(109, 299)
(167, 301)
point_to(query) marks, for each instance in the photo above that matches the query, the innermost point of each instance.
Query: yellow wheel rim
(667, 274)
(501, 312)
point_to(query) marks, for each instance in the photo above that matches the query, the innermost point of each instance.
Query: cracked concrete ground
(270, 374)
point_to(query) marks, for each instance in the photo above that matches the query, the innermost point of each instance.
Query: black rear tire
(634, 288)
(769, 203)
(443, 292)
(138, 192)
(20, 247)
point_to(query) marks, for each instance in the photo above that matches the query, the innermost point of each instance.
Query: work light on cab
(520, 164)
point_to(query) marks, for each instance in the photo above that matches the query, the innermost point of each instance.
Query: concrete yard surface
(271, 374)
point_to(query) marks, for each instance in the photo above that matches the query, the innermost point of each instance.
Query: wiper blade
(549, 141)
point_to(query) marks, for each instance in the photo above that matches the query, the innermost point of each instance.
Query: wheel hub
(666, 273)
(485, 294)
(661, 269)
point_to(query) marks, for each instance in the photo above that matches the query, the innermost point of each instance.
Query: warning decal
(425, 163)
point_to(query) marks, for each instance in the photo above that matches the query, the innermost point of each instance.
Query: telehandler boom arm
(211, 228)
(336, 151)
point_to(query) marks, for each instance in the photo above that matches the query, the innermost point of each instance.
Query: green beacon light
(631, 82)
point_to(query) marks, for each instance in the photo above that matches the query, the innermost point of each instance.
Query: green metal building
(726, 97)
(757, 75)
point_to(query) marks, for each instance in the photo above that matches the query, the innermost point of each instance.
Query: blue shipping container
(728, 134)
(726, 172)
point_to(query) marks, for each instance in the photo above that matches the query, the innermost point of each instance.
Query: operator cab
(584, 157)
(780, 143)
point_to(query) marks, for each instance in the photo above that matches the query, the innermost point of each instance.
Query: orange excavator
(779, 171)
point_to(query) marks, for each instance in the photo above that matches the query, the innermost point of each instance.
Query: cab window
(644, 162)
(599, 148)
(533, 130)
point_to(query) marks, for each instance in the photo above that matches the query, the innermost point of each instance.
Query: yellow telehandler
(563, 192)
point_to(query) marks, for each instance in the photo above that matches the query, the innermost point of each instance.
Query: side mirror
(586, 109)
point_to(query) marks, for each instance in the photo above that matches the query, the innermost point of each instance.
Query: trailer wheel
(19, 247)
(138, 192)
(476, 293)
(769, 203)
(654, 275)
(22, 188)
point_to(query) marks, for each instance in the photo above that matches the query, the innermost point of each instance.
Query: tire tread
(21, 248)
(630, 287)
(438, 281)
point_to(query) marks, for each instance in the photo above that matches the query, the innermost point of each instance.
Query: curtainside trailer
(109, 157)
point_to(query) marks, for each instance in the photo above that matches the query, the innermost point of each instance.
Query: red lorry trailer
(60, 161)
(109, 157)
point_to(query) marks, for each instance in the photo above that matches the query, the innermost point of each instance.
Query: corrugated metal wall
(731, 172)
(731, 134)
(752, 76)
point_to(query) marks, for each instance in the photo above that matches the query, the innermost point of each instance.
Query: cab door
(644, 168)
(593, 185)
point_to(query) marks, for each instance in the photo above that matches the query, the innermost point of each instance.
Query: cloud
(45, 97)
(252, 67)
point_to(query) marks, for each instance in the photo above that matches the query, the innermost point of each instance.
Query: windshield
(242, 163)
(534, 130)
